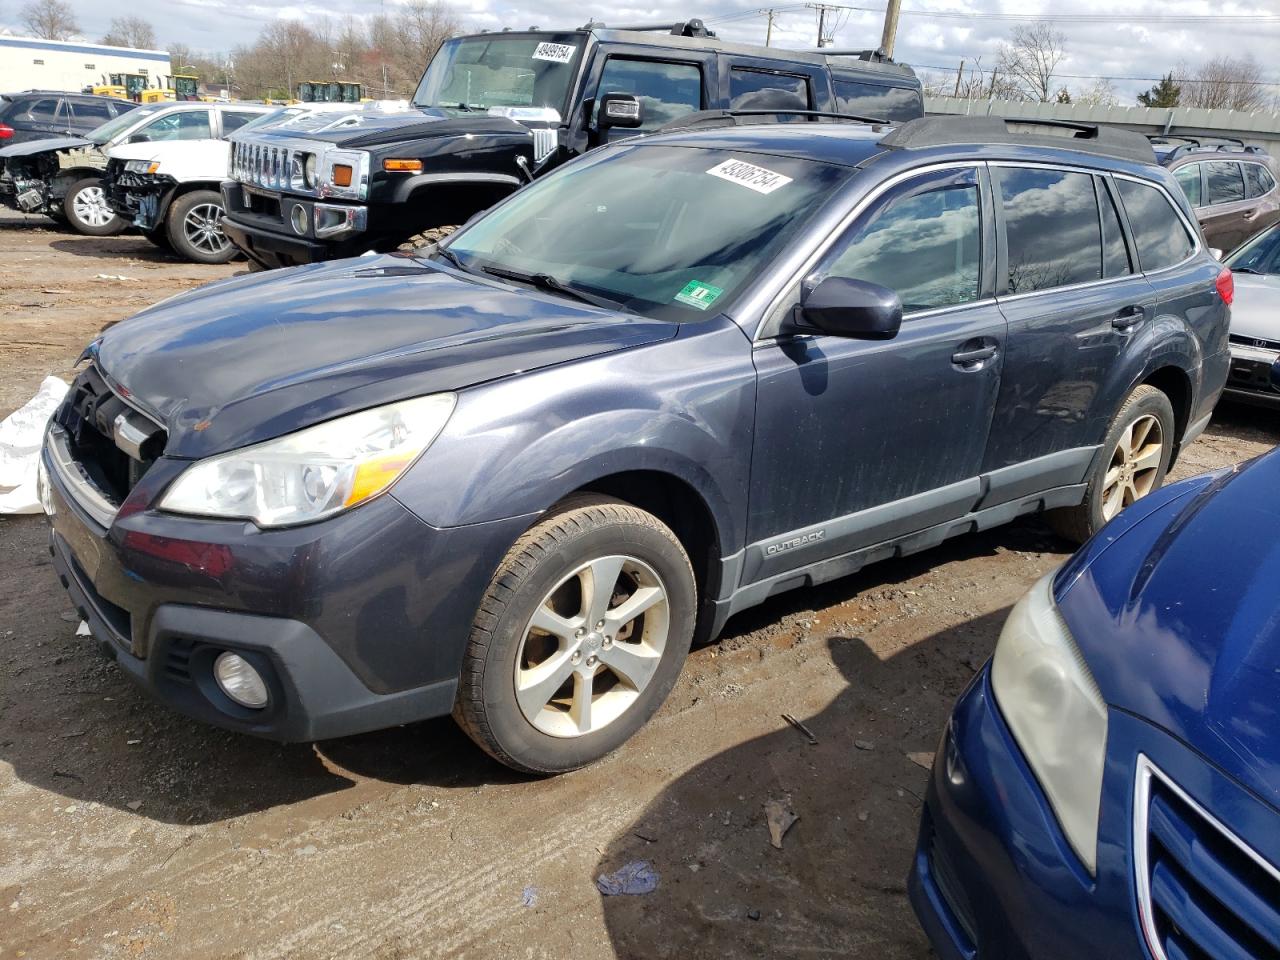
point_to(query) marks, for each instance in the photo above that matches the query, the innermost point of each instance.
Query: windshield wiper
(452, 257)
(465, 107)
(544, 281)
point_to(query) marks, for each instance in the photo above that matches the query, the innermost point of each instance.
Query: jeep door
(1075, 302)
(862, 441)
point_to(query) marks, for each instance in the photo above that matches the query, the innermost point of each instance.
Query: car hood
(1178, 616)
(31, 147)
(370, 128)
(1255, 312)
(255, 357)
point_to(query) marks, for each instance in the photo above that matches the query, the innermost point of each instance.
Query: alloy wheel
(203, 228)
(1134, 467)
(592, 646)
(91, 207)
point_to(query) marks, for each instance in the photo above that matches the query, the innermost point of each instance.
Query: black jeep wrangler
(495, 110)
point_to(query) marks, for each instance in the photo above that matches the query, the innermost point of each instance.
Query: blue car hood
(255, 357)
(1178, 615)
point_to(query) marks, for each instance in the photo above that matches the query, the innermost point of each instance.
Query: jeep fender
(414, 188)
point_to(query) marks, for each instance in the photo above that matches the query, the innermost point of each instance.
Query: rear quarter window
(1161, 236)
(1257, 180)
(895, 104)
(1225, 182)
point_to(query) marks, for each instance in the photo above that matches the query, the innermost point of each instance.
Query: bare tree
(1031, 58)
(131, 32)
(49, 19)
(1101, 94)
(1224, 83)
(974, 83)
(422, 25)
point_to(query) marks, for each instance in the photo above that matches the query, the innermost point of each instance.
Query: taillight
(1226, 286)
(6, 131)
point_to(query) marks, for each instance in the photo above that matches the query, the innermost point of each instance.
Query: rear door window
(233, 120)
(668, 91)
(1159, 233)
(1257, 180)
(760, 90)
(1188, 178)
(922, 242)
(1053, 232)
(90, 113)
(1224, 181)
(895, 104)
(44, 110)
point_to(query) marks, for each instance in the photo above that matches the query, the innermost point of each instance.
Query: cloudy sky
(1142, 38)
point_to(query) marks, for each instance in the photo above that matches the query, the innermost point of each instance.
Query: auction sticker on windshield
(555, 52)
(698, 294)
(749, 175)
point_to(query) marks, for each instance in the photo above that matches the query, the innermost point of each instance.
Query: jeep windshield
(674, 233)
(502, 70)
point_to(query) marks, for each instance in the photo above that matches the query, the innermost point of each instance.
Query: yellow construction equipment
(125, 86)
(333, 91)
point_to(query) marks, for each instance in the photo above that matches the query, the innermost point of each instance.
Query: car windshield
(502, 70)
(111, 128)
(1259, 255)
(666, 231)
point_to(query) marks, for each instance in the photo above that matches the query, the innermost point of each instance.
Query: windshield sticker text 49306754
(749, 175)
(555, 52)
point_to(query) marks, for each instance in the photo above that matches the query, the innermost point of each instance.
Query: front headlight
(316, 472)
(1056, 712)
(142, 166)
(309, 171)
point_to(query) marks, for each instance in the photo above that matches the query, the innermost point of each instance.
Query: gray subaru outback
(513, 478)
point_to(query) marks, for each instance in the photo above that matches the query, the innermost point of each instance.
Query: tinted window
(923, 242)
(234, 121)
(1224, 181)
(1115, 255)
(667, 90)
(1158, 232)
(44, 110)
(1188, 178)
(874, 100)
(1051, 222)
(90, 112)
(756, 90)
(188, 125)
(1257, 180)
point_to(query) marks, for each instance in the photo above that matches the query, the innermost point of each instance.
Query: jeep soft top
(495, 110)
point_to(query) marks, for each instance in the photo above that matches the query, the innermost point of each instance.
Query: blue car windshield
(671, 232)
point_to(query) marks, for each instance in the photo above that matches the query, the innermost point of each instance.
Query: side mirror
(1216, 254)
(1275, 375)
(620, 110)
(853, 308)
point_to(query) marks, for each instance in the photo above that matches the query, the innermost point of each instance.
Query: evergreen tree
(1166, 93)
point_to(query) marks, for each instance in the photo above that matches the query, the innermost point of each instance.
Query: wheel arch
(446, 199)
(179, 190)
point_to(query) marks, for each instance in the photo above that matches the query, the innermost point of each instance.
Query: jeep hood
(30, 148)
(1178, 616)
(255, 357)
(368, 128)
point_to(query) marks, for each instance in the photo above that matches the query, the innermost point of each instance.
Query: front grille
(544, 142)
(177, 661)
(947, 880)
(1262, 343)
(1204, 894)
(96, 422)
(274, 168)
(1251, 375)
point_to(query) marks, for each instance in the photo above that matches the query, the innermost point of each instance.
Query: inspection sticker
(555, 52)
(749, 175)
(698, 294)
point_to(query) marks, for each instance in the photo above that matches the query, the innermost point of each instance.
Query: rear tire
(194, 227)
(1134, 459)
(87, 210)
(160, 238)
(580, 637)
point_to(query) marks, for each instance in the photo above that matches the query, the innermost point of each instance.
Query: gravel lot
(128, 831)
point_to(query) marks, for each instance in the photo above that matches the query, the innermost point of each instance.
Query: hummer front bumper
(278, 230)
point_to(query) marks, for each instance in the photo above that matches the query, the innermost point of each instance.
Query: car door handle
(1128, 318)
(967, 358)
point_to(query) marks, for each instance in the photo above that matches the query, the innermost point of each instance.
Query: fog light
(299, 219)
(240, 681)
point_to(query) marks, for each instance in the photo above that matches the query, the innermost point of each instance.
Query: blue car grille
(1204, 893)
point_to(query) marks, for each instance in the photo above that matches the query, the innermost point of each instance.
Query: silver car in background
(1255, 319)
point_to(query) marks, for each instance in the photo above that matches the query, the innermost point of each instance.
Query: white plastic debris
(21, 434)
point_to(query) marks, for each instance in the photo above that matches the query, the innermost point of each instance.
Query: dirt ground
(128, 831)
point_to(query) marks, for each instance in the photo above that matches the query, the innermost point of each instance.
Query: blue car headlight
(1056, 713)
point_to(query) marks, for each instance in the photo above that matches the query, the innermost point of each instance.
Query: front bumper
(1250, 379)
(359, 622)
(261, 223)
(141, 199)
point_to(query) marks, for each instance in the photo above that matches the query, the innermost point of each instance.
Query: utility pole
(991, 92)
(959, 75)
(768, 33)
(823, 9)
(890, 27)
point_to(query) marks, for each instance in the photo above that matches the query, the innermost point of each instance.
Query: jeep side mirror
(852, 308)
(620, 110)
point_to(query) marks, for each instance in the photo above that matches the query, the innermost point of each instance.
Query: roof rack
(685, 28)
(1227, 145)
(872, 56)
(731, 118)
(1016, 131)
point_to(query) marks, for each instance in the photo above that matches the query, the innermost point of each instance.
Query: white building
(29, 64)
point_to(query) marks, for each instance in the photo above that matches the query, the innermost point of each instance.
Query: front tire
(87, 210)
(194, 228)
(1134, 461)
(580, 637)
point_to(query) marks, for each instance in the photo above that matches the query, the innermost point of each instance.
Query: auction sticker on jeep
(698, 294)
(555, 52)
(749, 175)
